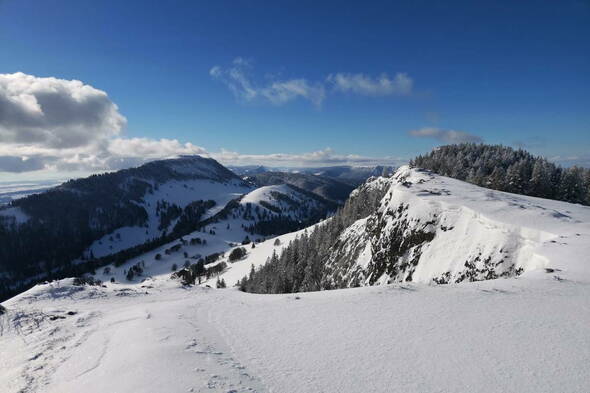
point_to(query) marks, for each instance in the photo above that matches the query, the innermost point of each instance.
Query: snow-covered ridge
(431, 228)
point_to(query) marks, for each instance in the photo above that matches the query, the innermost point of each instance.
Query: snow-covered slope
(286, 200)
(174, 192)
(527, 333)
(433, 228)
(102, 215)
(514, 335)
(222, 234)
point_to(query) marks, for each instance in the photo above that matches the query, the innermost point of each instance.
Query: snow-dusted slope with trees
(107, 215)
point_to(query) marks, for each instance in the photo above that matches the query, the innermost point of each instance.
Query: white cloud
(276, 92)
(57, 124)
(362, 84)
(446, 136)
(323, 157)
(281, 92)
(55, 113)
(151, 148)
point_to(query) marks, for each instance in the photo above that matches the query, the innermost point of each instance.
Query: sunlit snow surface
(513, 335)
(524, 334)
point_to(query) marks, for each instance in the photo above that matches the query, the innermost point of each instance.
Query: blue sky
(507, 72)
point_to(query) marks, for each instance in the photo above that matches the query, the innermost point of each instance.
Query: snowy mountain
(350, 175)
(324, 186)
(116, 216)
(431, 229)
(524, 332)
(353, 175)
(248, 170)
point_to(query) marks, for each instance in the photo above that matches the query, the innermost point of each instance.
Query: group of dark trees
(237, 254)
(135, 270)
(196, 272)
(300, 267)
(505, 169)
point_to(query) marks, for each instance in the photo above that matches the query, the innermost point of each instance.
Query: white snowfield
(520, 334)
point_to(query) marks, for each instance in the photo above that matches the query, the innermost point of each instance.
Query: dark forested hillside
(505, 169)
(323, 186)
(62, 222)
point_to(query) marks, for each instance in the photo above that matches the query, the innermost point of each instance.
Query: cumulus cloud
(54, 113)
(446, 136)
(66, 125)
(237, 78)
(151, 148)
(400, 84)
(277, 92)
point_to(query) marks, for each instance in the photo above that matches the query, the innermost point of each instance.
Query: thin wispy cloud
(400, 84)
(277, 92)
(581, 160)
(446, 136)
(238, 78)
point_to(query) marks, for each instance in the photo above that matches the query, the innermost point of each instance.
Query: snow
(469, 223)
(520, 334)
(176, 192)
(538, 232)
(266, 194)
(514, 335)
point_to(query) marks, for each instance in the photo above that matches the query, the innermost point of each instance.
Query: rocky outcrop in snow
(430, 228)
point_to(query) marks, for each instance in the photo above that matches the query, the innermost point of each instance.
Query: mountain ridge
(433, 229)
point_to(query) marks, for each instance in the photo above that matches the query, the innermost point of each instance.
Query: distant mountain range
(351, 175)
